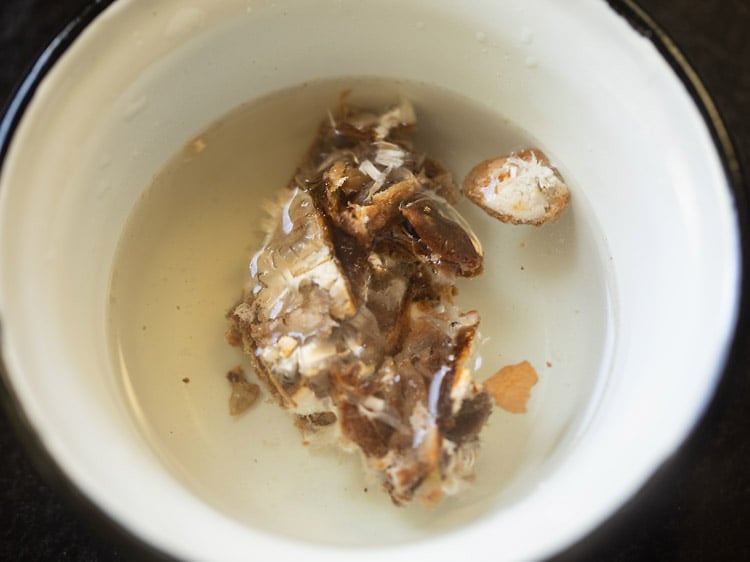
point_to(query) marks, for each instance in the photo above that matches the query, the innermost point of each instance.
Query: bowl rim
(637, 18)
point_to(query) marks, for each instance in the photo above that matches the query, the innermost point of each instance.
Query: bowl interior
(184, 256)
(603, 295)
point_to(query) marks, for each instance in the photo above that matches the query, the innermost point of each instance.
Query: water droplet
(531, 62)
(419, 25)
(480, 36)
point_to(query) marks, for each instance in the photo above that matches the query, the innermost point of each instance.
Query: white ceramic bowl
(653, 229)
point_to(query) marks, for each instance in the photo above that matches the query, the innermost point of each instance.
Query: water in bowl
(183, 258)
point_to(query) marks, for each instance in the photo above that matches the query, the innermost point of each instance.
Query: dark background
(697, 507)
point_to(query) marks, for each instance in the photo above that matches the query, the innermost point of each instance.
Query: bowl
(631, 298)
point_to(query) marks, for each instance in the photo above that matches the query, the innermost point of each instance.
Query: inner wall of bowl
(630, 140)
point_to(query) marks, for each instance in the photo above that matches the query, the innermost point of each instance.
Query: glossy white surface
(145, 78)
